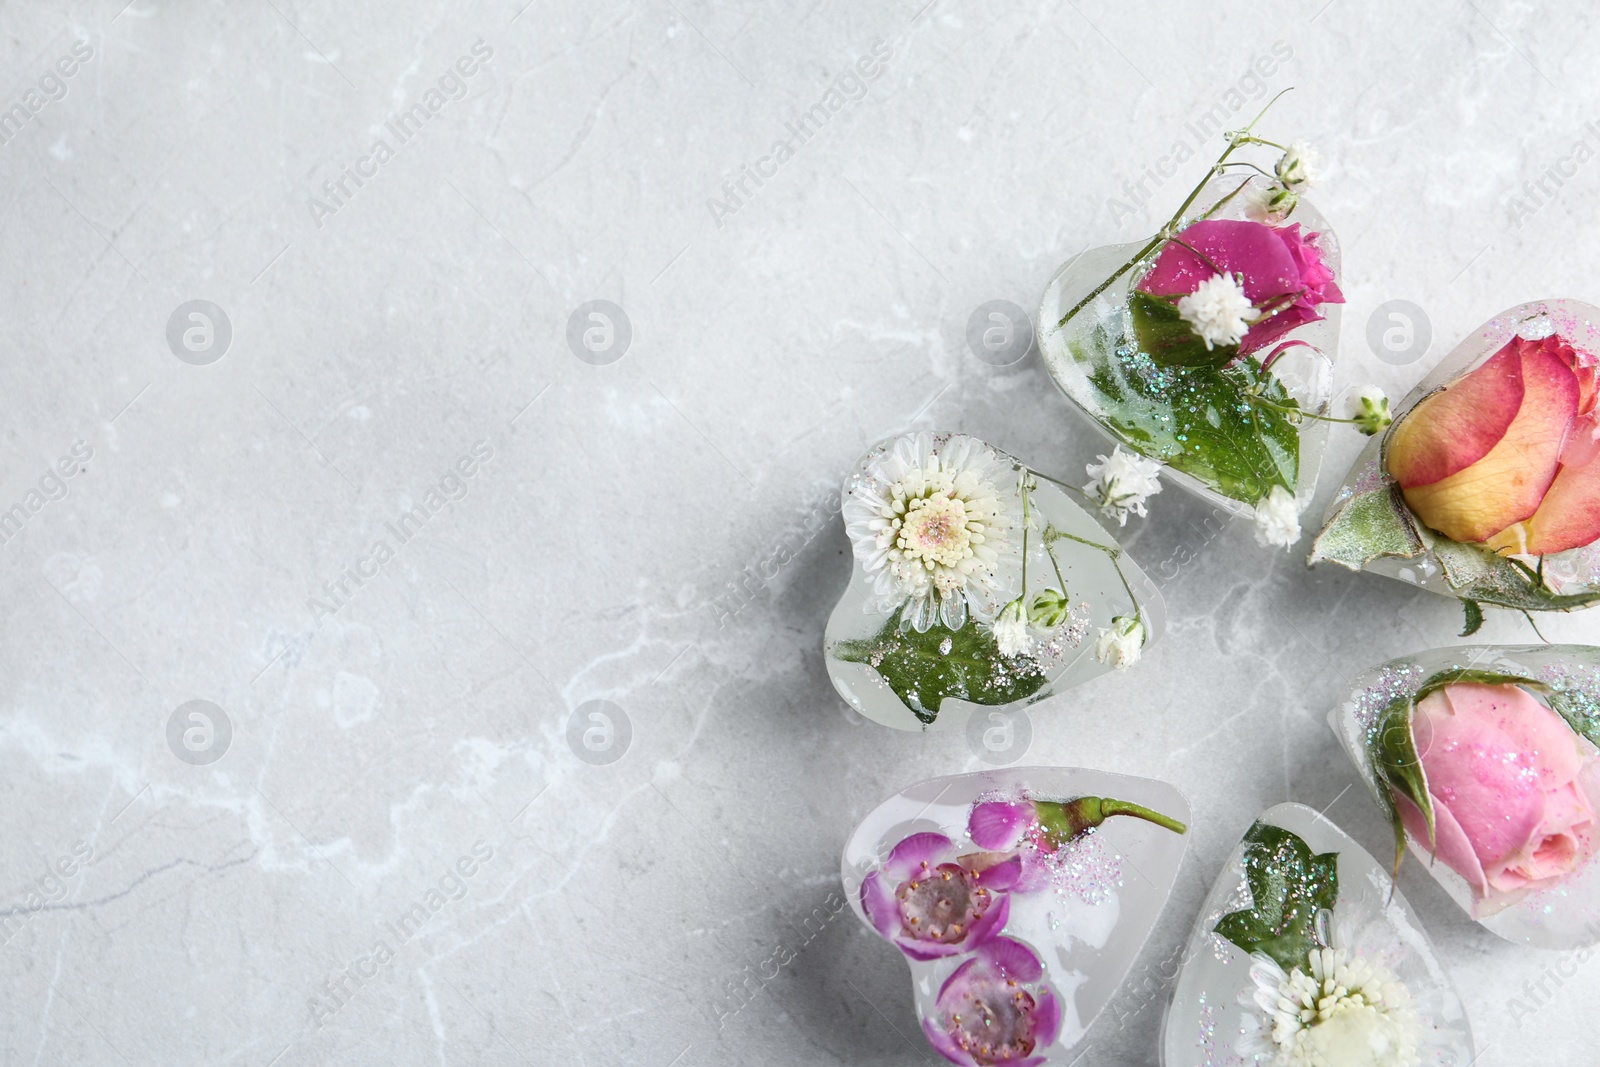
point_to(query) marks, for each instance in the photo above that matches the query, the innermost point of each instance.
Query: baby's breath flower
(1123, 481)
(1219, 311)
(1278, 519)
(1370, 410)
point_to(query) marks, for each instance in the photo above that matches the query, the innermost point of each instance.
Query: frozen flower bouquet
(1018, 900)
(1209, 347)
(1304, 956)
(977, 582)
(1484, 759)
(1487, 485)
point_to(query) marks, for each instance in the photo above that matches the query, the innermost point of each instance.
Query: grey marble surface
(385, 737)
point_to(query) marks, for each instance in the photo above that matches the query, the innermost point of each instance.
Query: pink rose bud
(1506, 775)
(1505, 454)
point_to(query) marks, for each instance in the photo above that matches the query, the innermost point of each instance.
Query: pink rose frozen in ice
(1281, 270)
(1508, 779)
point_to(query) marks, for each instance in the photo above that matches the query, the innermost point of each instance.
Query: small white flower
(1011, 630)
(1123, 481)
(1219, 311)
(1297, 168)
(1370, 410)
(1121, 644)
(1350, 1011)
(1278, 519)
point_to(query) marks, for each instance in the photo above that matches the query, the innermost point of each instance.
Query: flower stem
(1264, 402)
(1065, 821)
(1241, 138)
(1139, 811)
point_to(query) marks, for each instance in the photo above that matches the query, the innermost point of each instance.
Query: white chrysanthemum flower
(1010, 630)
(1350, 1011)
(932, 531)
(1278, 519)
(1123, 481)
(1121, 644)
(1219, 311)
(1369, 407)
(1297, 167)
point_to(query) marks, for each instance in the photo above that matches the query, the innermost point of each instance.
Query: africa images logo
(451, 86)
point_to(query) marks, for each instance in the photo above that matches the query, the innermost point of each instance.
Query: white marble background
(624, 904)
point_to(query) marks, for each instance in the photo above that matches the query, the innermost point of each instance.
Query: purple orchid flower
(931, 903)
(987, 1014)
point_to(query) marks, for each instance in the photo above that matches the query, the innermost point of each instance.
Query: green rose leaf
(1473, 621)
(1395, 762)
(1199, 420)
(1581, 713)
(1369, 525)
(1288, 887)
(1168, 338)
(922, 676)
(1477, 573)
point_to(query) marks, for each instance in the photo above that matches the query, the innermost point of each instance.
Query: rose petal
(1012, 959)
(1569, 514)
(944, 1045)
(1528, 725)
(999, 823)
(1453, 428)
(1454, 848)
(1478, 773)
(877, 900)
(912, 852)
(1506, 485)
(1249, 249)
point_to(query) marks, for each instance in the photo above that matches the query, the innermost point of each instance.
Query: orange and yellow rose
(1507, 455)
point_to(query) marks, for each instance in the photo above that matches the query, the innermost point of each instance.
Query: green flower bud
(1048, 609)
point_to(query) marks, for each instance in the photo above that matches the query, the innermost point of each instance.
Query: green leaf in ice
(1168, 338)
(923, 670)
(1288, 887)
(1199, 420)
(1369, 525)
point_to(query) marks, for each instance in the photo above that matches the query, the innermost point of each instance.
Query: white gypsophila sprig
(1123, 481)
(933, 531)
(1368, 409)
(1010, 630)
(1219, 311)
(1278, 519)
(1297, 167)
(1121, 643)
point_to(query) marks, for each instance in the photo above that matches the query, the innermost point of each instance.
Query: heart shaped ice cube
(948, 534)
(1487, 485)
(1494, 748)
(1304, 953)
(1221, 417)
(1018, 898)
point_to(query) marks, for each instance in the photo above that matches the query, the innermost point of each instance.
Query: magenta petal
(1269, 330)
(944, 1045)
(926, 951)
(1013, 959)
(877, 900)
(1252, 250)
(912, 852)
(957, 978)
(1047, 1018)
(1003, 875)
(999, 824)
(990, 923)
